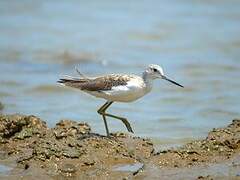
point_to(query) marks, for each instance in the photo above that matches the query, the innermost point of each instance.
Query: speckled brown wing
(102, 83)
(105, 82)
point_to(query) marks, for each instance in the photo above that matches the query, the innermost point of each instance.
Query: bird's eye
(154, 70)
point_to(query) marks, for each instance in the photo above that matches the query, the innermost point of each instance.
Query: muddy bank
(69, 149)
(216, 157)
(30, 149)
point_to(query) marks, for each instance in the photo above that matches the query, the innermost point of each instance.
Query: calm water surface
(196, 42)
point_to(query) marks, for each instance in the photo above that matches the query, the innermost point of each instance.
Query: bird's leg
(106, 126)
(124, 120)
(101, 111)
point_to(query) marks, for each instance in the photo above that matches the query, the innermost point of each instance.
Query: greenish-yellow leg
(102, 111)
(124, 120)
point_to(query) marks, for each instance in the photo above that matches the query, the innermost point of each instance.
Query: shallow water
(196, 42)
(4, 170)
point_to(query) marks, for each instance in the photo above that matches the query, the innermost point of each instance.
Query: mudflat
(70, 150)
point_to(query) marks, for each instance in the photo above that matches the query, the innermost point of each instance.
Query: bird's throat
(148, 81)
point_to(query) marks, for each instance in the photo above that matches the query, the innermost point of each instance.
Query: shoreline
(70, 149)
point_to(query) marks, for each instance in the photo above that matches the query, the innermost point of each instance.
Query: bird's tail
(72, 81)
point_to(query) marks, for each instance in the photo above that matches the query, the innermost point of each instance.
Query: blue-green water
(196, 42)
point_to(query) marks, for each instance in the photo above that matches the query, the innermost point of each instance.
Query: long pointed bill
(164, 77)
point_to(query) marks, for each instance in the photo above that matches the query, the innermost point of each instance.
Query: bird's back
(101, 83)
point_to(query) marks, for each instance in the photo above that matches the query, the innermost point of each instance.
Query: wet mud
(215, 157)
(70, 150)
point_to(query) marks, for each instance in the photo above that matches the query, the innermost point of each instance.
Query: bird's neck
(147, 80)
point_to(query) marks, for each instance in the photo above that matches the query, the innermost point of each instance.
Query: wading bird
(117, 88)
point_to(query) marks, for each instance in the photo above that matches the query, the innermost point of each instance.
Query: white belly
(127, 93)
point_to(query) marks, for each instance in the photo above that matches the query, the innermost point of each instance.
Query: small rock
(26, 166)
(194, 159)
(72, 153)
(70, 128)
(90, 163)
(59, 134)
(68, 168)
(119, 135)
(12, 124)
(25, 133)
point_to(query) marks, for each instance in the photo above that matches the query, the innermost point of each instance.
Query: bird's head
(155, 71)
